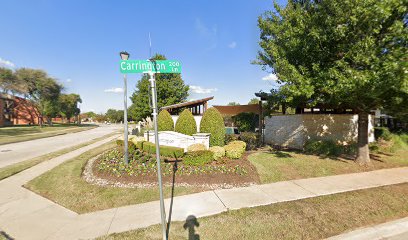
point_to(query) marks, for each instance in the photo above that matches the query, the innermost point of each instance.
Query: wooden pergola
(197, 107)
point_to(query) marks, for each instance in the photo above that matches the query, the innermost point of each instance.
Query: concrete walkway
(21, 151)
(26, 215)
(394, 230)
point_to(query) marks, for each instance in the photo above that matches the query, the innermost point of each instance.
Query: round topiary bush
(233, 151)
(186, 124)
(198, 158)
(196, 147)
(165, 122)
(213, 123)
(218, 152)
(241, 144)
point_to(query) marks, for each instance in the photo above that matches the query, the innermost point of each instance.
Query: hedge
(186, 124)
(213, 123)
(218, 152)
(246, 121)
(196, 147)
(198, 158)
(165, 122)
(165, 151)
(235, 149)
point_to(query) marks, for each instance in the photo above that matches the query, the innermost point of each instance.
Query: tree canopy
(170, 90)
(339, 54)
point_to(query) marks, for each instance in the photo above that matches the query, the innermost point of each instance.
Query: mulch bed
(221, 180)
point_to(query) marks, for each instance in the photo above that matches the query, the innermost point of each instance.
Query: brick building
(17, 111)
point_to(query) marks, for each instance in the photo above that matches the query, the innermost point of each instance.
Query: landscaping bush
(382, 132)
(328, 148)
(213, 123)
(241, 144)
(230, 138)
(186, 124)
(246, 121)
(164, 121)
(165, 151)
(251, 140)
(198, 158)
(234, 151)
(119, 142)
(196, 147)
(218, 152)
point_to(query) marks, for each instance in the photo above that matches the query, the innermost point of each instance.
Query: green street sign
(145, 66)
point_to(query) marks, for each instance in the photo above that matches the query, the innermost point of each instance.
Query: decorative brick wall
(2, 112)
(295, 130)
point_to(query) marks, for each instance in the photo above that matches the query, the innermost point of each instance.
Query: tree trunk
(363, 154)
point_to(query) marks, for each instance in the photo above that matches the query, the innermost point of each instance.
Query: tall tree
(253, 101)
(69, 105)
(170, 90)
(38, 87)
(233, 104)
(339, 53)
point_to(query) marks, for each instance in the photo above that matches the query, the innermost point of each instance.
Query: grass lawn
(274, 166)
(313, 218)
(21, 166)
(26, 133)
(65, 186)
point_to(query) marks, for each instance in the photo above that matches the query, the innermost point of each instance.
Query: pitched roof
(187, 104)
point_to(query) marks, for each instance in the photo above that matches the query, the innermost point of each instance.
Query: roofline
(185, 104)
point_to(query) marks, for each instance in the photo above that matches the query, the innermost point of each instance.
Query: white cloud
(114, 90)
(199, 89)
(232, 45)
(69, 80)
(270, 77)
(6, 63)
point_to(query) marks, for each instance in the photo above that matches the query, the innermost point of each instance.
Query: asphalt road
(18, 152)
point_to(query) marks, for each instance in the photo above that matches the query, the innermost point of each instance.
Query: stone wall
(295, 130)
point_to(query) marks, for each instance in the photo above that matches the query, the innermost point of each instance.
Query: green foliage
(241, 144)
(119, 142)
(233, 104)
(196, 147)
(251, 140)
(186, 124)
(328, 148)
(69, 105)
(246, 121)
(170, 90)
(254, 101)
(234, 151)
(382, 132)
(114, 116)
(164, 121)
(342, 54)
(167, 151)
(198, 158)
(213, 123)
(230, 138)
(218, 152)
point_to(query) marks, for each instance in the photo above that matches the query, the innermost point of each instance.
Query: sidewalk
(26, 215)
(394, 230)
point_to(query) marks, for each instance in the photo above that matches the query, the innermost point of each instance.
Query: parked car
(232, 130)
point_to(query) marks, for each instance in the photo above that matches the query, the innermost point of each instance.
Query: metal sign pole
(156, 136)
(125, 139)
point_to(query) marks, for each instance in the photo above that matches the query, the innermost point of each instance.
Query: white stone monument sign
(175, 139)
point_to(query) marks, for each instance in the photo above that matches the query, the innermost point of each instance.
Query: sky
(78, 42)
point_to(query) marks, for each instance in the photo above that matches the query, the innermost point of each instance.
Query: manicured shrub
(218, 152)
(234, 151)
(241, 144)
(245, 121)
(198, 158)
(186, 124)
(251, 140)
(166, 151)
(196, 147)
(165, 122)
(119, 142)
(382, 132)
(213, 123)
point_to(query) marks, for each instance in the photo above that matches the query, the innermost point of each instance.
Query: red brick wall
(25, 112)
(1, 112)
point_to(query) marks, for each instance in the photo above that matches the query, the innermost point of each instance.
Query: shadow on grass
(5, 236)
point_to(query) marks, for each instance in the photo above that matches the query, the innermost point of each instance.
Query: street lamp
(125, 56)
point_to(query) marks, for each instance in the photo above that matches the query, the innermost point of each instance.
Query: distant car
(231, 131)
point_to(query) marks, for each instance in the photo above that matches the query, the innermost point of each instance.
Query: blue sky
(78, 43)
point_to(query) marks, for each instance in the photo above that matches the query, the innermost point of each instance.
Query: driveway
(18, 152)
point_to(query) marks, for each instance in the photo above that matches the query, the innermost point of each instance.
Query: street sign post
(152, 67)
(146, 66)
